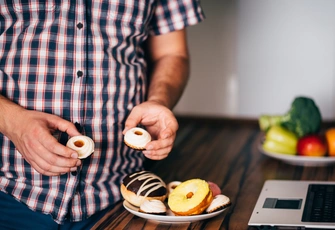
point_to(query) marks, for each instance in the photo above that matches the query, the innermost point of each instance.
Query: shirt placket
(79, 73)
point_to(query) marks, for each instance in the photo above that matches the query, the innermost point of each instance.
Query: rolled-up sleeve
(171, 15)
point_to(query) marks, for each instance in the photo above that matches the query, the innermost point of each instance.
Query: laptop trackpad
(276, 203)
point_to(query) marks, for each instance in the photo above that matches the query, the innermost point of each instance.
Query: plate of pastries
(147, 196)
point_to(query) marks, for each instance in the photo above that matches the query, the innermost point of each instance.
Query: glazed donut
(83, 145)
(191, 197)
(214, 188)
(137, 138)
(143, 185)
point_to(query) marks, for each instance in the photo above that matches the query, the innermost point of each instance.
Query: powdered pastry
(155, 207)
(219, 202)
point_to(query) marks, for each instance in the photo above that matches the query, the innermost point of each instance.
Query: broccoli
(303, 118)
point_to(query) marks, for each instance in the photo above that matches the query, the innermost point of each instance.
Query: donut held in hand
(83, 145)
(137, 138)
(143, 185)
(191, 197)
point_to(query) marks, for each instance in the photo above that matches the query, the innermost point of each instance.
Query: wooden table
(225, 152)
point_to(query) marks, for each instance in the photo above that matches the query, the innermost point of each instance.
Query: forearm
(8, 110)
(169, 61)
(168, 79)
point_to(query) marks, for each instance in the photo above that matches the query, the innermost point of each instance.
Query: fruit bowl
(299, 160)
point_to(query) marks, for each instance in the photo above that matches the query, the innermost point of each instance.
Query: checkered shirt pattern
(84, 61)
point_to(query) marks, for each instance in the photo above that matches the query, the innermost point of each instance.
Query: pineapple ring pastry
(191, 197)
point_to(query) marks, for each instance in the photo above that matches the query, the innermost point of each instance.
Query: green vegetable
(280, 140)
(303, 118)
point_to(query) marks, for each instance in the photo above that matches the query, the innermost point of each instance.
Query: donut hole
(79, 143)
(138, 133)
(189, 195)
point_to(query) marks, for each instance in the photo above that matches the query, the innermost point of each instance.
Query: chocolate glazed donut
(143, 185)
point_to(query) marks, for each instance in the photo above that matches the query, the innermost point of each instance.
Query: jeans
(15, 215)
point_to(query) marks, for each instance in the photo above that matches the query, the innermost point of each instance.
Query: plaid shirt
(84, 61)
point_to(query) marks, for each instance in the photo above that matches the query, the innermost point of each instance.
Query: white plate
(299, 160)
(169, 217)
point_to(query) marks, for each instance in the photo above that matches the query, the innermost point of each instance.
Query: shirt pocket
(129, 12)
(34, 6)
(35, 10)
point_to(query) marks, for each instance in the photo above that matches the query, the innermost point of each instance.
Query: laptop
(287, 204)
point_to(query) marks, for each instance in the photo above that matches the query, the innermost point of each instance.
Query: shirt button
(80, 73)
(80, 25)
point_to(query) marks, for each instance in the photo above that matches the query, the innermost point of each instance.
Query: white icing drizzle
(147, 177)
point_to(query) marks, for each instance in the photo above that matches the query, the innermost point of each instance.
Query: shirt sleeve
(171, 15)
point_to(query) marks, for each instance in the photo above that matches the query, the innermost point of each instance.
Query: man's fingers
(159, 149)
(65, 126)
(45, 168)
(53, 146)
(51, 152)
(157, 154)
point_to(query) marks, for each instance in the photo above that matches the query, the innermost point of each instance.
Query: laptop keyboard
(320, 204)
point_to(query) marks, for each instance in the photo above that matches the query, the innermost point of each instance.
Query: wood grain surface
(225, 152)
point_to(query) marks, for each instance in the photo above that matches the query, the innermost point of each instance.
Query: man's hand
(169, 61)
(160, 122)
(31, 133)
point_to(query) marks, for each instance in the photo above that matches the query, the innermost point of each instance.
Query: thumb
(68, 127)
(132, 121)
